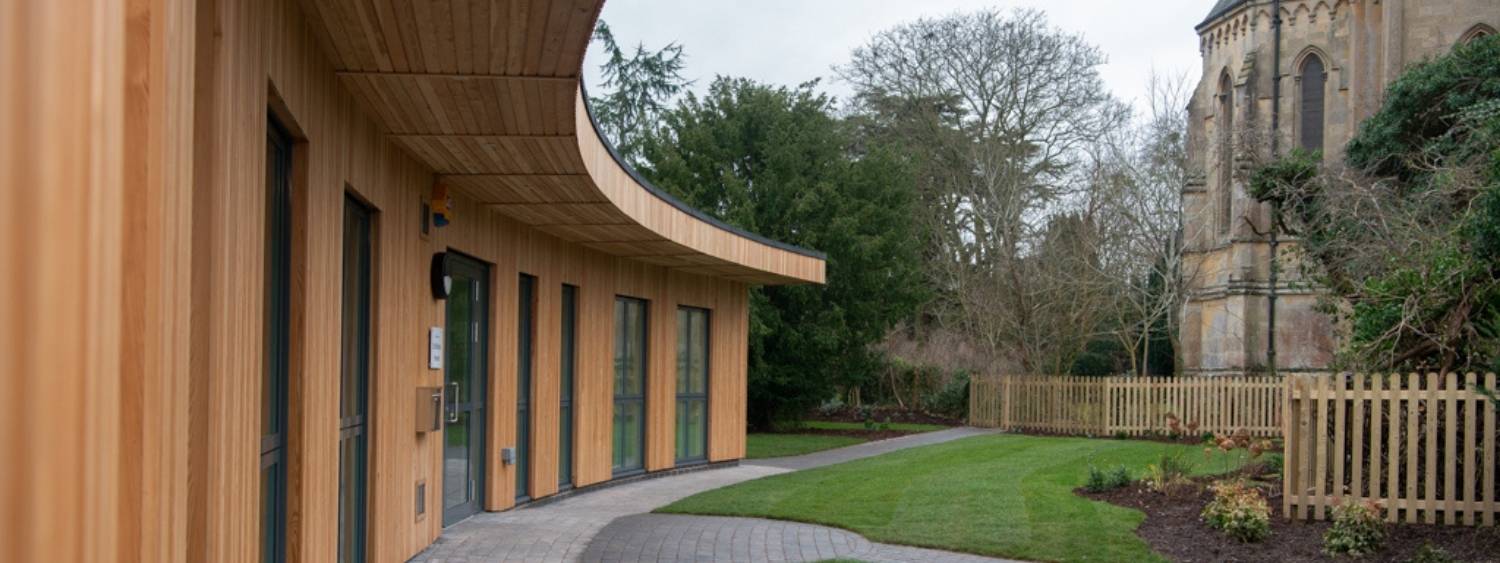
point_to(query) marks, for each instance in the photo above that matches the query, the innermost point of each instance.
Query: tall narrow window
(278, 296)
(354, 383)
(1310, 123)
(630, 385)
(1226, 153)
(525, 328)
(692, 385)
(569, 353)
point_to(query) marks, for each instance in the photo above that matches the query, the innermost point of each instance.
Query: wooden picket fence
(1135, 406)
(1423, 447)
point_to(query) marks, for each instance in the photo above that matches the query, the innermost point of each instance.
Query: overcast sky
(792, 41)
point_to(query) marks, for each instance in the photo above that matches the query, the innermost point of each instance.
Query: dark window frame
(683, 398)
(525, 367)
(567, 385)
(354, 420)
(636, 402)
(274, 452)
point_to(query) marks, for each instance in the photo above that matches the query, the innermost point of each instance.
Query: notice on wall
(435, 348)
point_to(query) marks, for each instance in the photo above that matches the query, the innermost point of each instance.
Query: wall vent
(421, 500)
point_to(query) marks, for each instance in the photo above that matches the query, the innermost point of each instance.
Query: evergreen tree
(637, 89)
(775, 161)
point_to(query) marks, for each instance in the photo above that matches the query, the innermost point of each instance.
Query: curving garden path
(615, 523)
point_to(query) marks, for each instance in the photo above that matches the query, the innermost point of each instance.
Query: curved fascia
(658, 211)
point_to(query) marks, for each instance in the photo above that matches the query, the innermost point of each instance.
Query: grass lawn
(1002, 495)
(902, 426)
(759, 446)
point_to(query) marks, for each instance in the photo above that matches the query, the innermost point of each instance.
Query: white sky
(792, 41)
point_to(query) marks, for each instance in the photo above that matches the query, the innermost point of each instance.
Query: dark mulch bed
(884, 414)
(1173, 529)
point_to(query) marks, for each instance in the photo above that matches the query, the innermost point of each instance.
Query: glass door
(467, 349)
(354, 383)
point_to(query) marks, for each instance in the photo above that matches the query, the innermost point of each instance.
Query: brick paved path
(672, 537)
(613, 524)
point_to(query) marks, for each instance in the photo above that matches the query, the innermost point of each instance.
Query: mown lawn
(759, 446)
(913, 427)
(1001, 495)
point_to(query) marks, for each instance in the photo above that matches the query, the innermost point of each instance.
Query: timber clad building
(309, 280)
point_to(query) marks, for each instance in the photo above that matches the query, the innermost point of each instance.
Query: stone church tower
(1317, 77)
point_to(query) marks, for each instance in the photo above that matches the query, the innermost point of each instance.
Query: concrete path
(614, 524)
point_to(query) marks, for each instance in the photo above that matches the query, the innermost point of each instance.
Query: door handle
(453, 403)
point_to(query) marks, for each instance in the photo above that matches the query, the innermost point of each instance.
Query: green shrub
(952, 399)
(1430, 554)
(1240, 511)
(1274, 463)
(1357, 530)
(1100, 480)
(1170, 473)
(1121, 435)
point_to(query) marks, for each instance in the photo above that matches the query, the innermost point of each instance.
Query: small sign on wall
(435, 348)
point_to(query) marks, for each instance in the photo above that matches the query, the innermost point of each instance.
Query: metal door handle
(453, 403)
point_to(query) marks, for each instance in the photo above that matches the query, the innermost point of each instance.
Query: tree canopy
(776, 161)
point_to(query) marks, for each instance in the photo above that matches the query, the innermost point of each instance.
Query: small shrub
(1100, 480)
(1274, 463)
(1357, 530)
(1208, 438)
(1121, 435)
(952, 399)
(831, 407)
(1240, 511)
(1170, 473)
(1429, 554)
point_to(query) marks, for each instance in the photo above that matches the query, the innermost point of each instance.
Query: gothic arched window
(1314, 79)
(1476, 32)
(1226, 152)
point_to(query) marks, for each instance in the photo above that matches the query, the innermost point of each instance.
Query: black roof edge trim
(1220, 13)
(677, 203)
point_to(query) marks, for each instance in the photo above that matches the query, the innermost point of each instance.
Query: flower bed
(1174, 527)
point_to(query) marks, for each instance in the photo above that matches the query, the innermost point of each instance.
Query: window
(278, 298)
(1313, 80)
(354, 382)
(1475, 33)
(569, 359)
(692, 385)
(1225, 122)
(630, 385)
(526, 325)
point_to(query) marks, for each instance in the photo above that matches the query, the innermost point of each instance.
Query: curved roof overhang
(487, 93)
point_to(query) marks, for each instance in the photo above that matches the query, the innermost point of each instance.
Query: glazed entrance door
(466, 343)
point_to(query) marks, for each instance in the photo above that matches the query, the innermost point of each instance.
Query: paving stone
(615, 524)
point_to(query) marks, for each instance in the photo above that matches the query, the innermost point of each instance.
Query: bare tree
(1003, 106)
(1137, 185)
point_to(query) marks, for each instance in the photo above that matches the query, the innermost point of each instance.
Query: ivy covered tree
(1406, 232)
(775, 161)
(636, 89)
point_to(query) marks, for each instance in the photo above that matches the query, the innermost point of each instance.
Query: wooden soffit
(487, 94)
